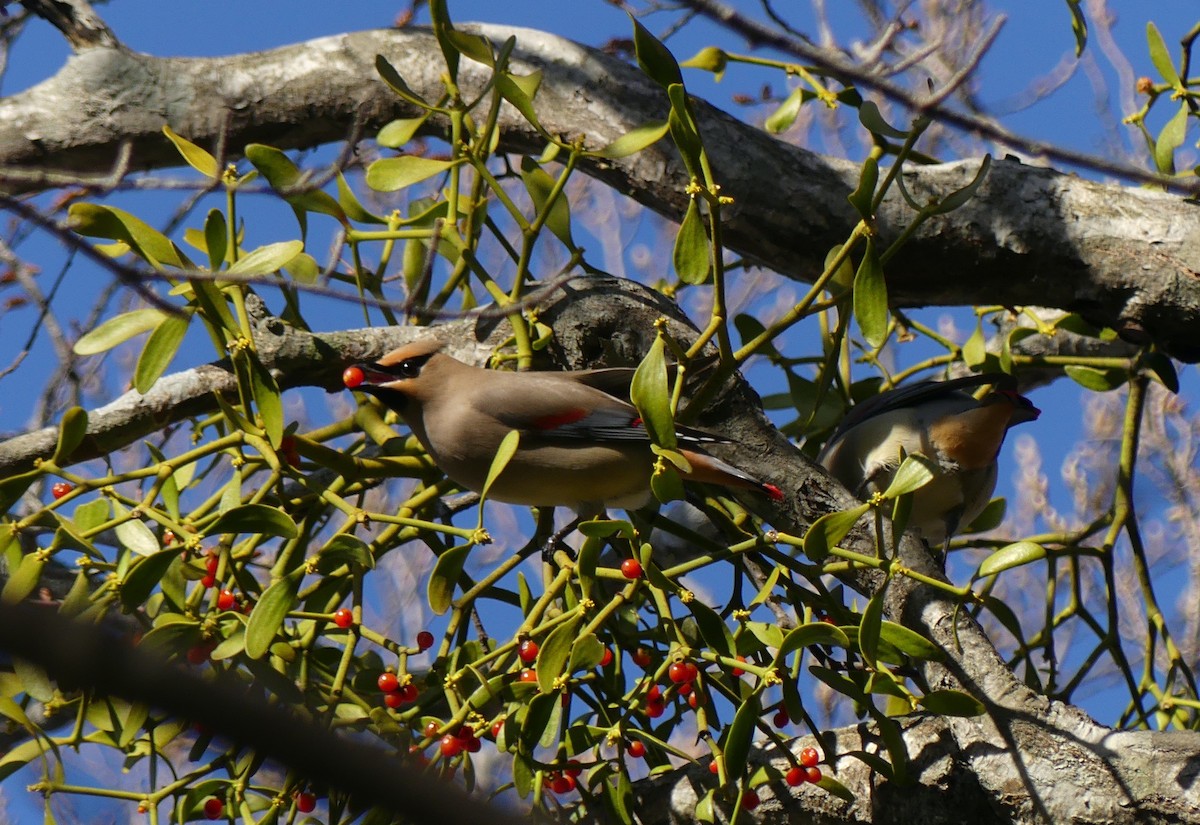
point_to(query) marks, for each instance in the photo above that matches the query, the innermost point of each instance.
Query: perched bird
(945, 424)
(580, 446)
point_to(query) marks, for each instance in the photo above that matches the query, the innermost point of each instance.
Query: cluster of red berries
(563, 781)
(807, 770)
(396, 695)
(211, 562)
(452, 744)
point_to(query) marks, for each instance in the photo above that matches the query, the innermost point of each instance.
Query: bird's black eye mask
(408, 368)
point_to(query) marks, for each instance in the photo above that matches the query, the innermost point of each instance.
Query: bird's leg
(547, 550)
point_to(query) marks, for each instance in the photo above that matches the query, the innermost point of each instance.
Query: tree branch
(1124, 258)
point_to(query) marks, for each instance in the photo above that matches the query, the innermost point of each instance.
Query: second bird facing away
(945, 424)
(580, 446)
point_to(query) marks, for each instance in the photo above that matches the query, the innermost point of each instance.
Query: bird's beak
(361, 375)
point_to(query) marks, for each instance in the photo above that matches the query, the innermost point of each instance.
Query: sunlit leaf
(654, 58)
(1010, 556)
(71, 432)
(829, 529)
(871, 297)
(710, 59)
(648, 392)
(118, 330)
(199, 159)
(267, 259)
(139, 538)
(1160, 56)
(691, 252)
(444, 578)
(914, 473)
(159, 351)
(394, 174)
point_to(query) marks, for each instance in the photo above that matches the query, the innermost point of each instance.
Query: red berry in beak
(353, 377)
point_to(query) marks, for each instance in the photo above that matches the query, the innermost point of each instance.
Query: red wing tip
(773, 492)
(562, 419)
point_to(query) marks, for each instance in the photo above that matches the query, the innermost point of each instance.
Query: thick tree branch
(1125, 258)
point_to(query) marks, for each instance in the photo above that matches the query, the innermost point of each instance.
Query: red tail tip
(773, 492)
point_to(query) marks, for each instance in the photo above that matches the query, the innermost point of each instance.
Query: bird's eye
(409, 368)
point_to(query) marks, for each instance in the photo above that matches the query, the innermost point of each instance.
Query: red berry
(693, 672)
(343, 617)
(226, 600)
(607, 658)
(213, 808)
(750, 800)
(809, 757)
(796, 776)
(695, 700)
(497, 727)
(287, 449)
(814, 775)
(424, 640)
(685, 689)
(781, 719)
(574, 768)
(211, 562)
(208, 581)
(408, 693)
(60, 489)
(678, 672)
(198, 654)
(393, 700)
(713, 767)
(641, 658)
(465, 732)
(306, 802)
(562, 784)
(527, 675)
(737, 671)
(473, 745)
(353, 377)
(451, 745)
(654, 694)
(637, 749)
(168, 538)
(631, 569)
(528, 651)
(431, 728)
(655, 709)
(388, 682)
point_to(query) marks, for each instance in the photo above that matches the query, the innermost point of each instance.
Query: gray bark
(1125, 258)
